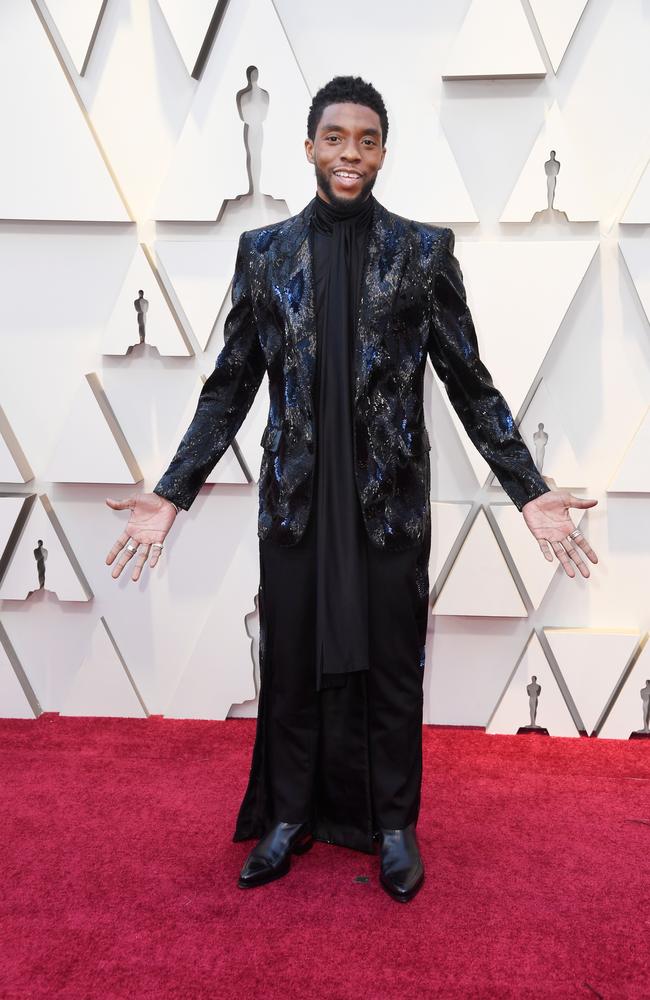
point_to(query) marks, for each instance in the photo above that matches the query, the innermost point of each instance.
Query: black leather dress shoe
(401, 870)
(271, 856)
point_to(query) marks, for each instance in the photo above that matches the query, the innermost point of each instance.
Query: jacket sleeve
(453, 349)
(225, 399)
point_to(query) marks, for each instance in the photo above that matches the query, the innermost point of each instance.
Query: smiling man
(342, 305)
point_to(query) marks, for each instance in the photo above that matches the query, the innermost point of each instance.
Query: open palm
(548, 518)
(150, 520)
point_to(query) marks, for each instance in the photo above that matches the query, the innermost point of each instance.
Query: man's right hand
(151, 518)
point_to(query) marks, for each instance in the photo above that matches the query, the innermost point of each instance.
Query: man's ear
(309, 150)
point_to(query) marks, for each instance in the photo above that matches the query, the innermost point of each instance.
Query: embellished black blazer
(413, 305)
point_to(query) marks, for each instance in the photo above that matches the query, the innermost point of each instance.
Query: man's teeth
(342, 173)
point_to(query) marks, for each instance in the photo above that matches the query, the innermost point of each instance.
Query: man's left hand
(547, 516)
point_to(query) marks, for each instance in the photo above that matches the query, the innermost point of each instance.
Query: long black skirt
(347, 758)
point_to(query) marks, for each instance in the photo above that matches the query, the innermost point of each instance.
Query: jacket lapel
(293, 284)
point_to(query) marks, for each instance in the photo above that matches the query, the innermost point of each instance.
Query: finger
(121, 562)
(580, 501)
(141, 559)
(155, 555)
(586, 548)
(564, 559)
(544, 546)
(119, 545)
(120, 504)
(575, 556)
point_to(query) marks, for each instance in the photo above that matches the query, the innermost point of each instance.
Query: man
(341, 305)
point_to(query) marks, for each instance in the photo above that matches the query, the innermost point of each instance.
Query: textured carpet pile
(119, 873)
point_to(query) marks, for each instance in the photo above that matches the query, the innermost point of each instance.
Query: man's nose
(350, 152)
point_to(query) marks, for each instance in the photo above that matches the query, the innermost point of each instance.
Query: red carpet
(119, 873)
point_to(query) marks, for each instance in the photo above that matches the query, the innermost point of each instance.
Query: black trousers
(348, 759)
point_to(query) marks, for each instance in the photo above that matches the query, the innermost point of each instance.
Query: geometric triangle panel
(591, 661)
(479, 582)
(638, 207)
(494, 41)
(210, 683)
(141, 315)
(208, 165)
(42, 560)
(523, 704)
(516, 316)
(557, 21)
(91, 447)
(629, 713)
(555, 179)
(200, 272)
(103, 685)
(51, 167)
(633, 472)
(77, 22)
(188, 23)
(636, 254)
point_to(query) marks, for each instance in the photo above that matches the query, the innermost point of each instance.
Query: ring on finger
(575, 533)
(131, 548)
(157, 545)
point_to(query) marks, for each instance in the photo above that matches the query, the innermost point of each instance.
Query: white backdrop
(117, 165)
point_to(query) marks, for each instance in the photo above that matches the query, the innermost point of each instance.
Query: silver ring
(575, 533)
(156, 545)
(132, 548)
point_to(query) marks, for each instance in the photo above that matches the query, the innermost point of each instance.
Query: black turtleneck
(339, 240)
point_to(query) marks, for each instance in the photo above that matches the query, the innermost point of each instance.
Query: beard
(324, 183)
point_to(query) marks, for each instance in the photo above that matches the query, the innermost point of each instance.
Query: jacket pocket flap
(271, 438)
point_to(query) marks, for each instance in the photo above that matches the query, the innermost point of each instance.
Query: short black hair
(352, 89)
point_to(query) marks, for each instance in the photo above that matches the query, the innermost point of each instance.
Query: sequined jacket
(413, 305)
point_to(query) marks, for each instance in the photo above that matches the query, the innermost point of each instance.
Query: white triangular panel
(636, 254)
(633, 473)
(200, 272)
(591, 662)
(479, 582)
(518, 293)
(447, 520)
(210, 683)
(22, 575)
(494, 41)
(227, 469)
(512, 711)
(554, 457)
(9, 471)
(535, 570)
(13, 701)
(188, 24)
(161, 330)
(209, 163)
(10, 508)
(638, 207)
(77, 22)
(557, 21)
(86, 449)
(51, 168)
(102, 685)
(626, 715)
(437, 193)
(573, 193)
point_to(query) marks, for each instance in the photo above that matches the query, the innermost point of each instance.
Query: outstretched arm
(224, 400)
(485, 415)
(453, 349)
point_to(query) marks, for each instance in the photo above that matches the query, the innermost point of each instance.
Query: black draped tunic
(339, 239)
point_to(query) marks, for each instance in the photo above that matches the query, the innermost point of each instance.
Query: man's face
(347, 153)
